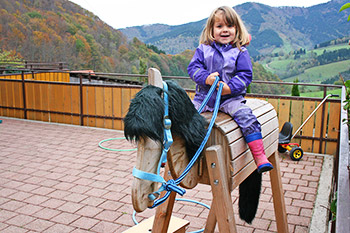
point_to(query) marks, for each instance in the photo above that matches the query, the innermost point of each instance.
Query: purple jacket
(233, 65)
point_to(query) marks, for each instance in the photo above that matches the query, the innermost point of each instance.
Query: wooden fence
(54, 76)
(105, 106)
(321, 133)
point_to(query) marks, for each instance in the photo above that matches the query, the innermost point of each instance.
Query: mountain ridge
(273, 29)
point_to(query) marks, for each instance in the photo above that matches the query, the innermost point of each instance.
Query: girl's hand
(226, 90)
(211, 78)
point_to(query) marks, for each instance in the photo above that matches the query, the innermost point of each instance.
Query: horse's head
(144, 124)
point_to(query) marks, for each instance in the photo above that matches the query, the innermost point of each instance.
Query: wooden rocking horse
(226, 161)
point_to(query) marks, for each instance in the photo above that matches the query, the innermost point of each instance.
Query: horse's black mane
(146, 112)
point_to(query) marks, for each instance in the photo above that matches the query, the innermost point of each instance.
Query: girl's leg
(251, 131)
(256, 146)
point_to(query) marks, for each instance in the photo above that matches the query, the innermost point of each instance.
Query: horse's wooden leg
(277, 194)
(221, 191)
(164, 211)
(211, 220)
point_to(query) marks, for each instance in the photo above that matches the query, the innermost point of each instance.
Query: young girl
(222, 53)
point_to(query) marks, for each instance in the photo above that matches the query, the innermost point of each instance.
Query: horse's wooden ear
(178, 161)
(155, 77)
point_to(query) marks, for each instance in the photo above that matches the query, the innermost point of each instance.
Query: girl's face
(222, 32)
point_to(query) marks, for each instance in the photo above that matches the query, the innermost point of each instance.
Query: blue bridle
(172, 185)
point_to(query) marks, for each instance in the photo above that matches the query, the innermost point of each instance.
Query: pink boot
(257, 149)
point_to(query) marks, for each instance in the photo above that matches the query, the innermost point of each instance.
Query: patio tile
(39, 225)
(59, 228)
(53, 203)
(46, 213)
(89, 211)
(20, 220)
(65, 218)
(14, 229)
(85, 223)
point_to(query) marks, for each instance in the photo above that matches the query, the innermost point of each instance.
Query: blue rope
(167, 139)
(172, 185)
(169, 185)
(210, 93)
(212, 121)
(106, 148)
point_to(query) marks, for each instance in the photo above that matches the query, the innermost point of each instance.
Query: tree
(10, 56)
(345, 6)
(295, 89)
(143, 68)
(143, 65)
(249, 89)
(11, 60)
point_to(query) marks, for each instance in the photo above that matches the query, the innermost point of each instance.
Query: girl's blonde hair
(230, 18)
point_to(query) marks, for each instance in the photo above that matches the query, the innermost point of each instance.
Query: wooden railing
(32, 65)
(104, 106)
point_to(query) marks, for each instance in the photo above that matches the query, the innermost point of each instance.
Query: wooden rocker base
(176, 225)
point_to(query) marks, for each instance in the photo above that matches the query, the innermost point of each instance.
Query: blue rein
(172, 185)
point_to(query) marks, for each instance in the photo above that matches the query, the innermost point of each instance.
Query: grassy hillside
(322, 65)
(280, 63)
(321, 50)
(319, 74)
(314, 66)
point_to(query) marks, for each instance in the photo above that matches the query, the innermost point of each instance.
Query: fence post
(323, 118)
(81, 100)
(24, 96)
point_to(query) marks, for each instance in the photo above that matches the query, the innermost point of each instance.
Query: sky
(128, 13)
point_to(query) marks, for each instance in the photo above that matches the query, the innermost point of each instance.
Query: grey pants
(240, 112)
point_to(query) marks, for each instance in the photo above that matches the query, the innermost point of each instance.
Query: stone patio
(55, 178)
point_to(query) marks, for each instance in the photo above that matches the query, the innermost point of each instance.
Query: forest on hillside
(61, 31)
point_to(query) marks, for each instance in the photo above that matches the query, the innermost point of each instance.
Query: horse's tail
(249, 193)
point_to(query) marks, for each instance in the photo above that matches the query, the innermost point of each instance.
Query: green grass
(318, 74)
(319, 51)
(280, 65)
(320, 93)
